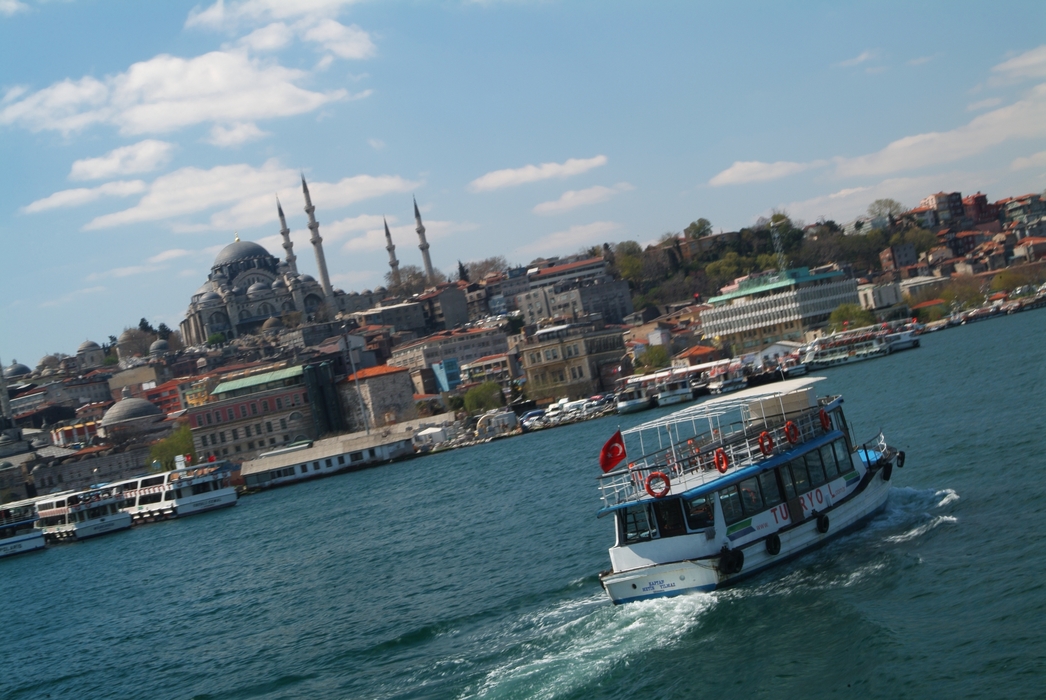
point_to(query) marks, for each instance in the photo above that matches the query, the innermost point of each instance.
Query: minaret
(292, 265)
(393, 262)
(429, 274)
(5, 400)
(317, 242)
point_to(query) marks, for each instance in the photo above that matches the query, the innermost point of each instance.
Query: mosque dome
(272, 324)
(278, 283)
(15, 370)
(88, 346)
(306, 278)
(211, 296)
(158, 347)
(258, 288)
(48, 361)
(240, 250)
(380, 290)
(127, 336)
(127, 410)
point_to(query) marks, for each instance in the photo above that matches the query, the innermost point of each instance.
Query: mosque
(248, 288)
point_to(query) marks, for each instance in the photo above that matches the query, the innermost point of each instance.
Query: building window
(243, 411)
(217, 416)
(265, 406)
(268, 427)
(254, 409)
(235, 434)
(279, 403)
(247, 430)
(232, 414)
(208, 417)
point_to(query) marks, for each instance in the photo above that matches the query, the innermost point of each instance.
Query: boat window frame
(828, 449)
(847, 460)
(752, 487)
(728, 519)
(771, 475)
(690, 515)
(808, 458)
(662, 511)
(643, 535)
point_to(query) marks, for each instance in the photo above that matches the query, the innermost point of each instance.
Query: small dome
(257, 288)
(211, 296)
(48, 361)
(236, 291)
(127, 410)
(88, 346)
(306, 278)
(240, 250)
(158, 347)
(16, 369)
(380, 290)
(367, 292)
(278, 283)
(272, 324)
(126, 336)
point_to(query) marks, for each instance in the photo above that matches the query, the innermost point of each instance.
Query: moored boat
(672, 387)
(17, 531)
(633, 398)
(77, 515)
(844, 348)
(743, 482)
(177, 493)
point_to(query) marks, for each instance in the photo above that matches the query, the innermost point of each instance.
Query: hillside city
(269, 359)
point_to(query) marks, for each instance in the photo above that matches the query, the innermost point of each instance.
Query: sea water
(473, 573)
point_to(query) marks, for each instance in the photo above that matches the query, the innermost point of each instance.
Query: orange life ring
(791, 432)
(766, 443)
(663, 492)
(826, 420)
(722, 463)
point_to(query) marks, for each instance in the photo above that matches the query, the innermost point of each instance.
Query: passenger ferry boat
(672, 387)
(843, 348)
(177, 493)
(727, 488)
(724, 379)
(634, 398)
(17, 533)
(77, 515)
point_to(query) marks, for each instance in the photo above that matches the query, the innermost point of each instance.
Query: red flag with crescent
(613, 453)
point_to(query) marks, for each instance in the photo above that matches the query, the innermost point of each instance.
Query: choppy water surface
(472, 574)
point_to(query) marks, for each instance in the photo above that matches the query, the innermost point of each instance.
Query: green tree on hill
(655, 357)
(850, 316)
(484, 397)
(177, 443)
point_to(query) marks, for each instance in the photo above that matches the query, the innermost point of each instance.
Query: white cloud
(922, 59)
(742, 172)
(172, 254)
(72, 296)
(271, 37)
(235, 134)
(1024, 119)
(572, 238)
(128, 271)
(223, 15)
(984, 104)
(84, 195)
(859, 59)
(573, 199)
(533, 173)
(243, 194)
(167, 93)
(12, 7)
(1033, 161)
(1030, 64)
(376, 144)
(405, 235)
(345, 42)
(141, 157)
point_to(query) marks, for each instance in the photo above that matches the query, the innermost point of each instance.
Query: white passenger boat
(727, 382)
(902, 340)
(17, 531)
(672, 387)
(77, 515)
(844, 348)
(633, 398)
(178, 493)
(730, 487)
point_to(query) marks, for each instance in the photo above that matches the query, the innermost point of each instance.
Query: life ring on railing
(791, 432)
(650, 489)
(826, 420)
(722, 463)
(766, 443)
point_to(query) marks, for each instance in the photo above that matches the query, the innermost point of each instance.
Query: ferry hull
(212, 501)
(672, 398)
(91, 528)
(633, 406)
(20, 544)
(704, 575)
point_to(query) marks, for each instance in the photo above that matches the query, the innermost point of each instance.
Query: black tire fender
(773, 544)
(823, 523)
(900, 459)
(887, 471)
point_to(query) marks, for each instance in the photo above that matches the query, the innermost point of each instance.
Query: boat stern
(660, 581)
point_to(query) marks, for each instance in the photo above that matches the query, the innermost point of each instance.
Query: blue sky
(138, 137)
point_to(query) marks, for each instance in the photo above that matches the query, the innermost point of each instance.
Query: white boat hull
(90, 528)
(207, 501)
(703, 575)
(633, 405)
(26, 542)
(670, 398)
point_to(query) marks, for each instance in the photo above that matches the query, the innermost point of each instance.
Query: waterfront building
(501, 368)
(464, 345)
(444, 307)
(576, 298)
(571, 360)
(407, 316)
(385, 393)
(758, 310)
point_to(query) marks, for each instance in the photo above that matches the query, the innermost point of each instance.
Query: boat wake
(563, 649)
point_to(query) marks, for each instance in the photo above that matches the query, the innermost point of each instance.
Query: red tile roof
(379, 371)
(556, 269)
(696, 351)
(927, 304)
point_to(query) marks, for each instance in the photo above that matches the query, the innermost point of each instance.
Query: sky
(138, 139)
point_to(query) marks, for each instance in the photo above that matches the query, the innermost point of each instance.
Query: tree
(885, 208)
(655, 357)
(628, 248)
(965, 291)
(463, 273)
(146, 327)
(484, 397)
(163, 332)
(137, 341)
(698, 229)
(850, 316)
(215, 339)
(412, 281)
(478, 269)
(177, 443)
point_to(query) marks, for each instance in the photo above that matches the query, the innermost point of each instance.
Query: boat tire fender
(791, 432)
(766, 443)
(887, 471)
(826, 420)
(773, 544)
(660, 493)
(731, 562)
(823, 523)
(900, 459)
(722, 462)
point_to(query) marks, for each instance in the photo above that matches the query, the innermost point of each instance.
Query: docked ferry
(77, 515)
(732, 486)
(17, 531)
(846, 347)
(634, 397)
(177, 493)
(672, 387)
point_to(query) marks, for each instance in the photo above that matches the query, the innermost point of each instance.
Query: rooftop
(773, 282)
(257, 380)
(379, 371)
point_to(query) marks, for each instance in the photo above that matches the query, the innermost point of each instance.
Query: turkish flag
(613, 453)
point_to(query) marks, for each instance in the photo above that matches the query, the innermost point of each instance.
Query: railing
(693, 461)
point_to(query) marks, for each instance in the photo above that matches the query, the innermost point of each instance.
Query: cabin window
(751, 500)
(786, 481)
(698, 513)
(842, 455)
(130, 486)
(814, 467)
(669, 518)
(169, 496)
(329, 463)
(730, 502)
(636, 524)
(197, 489)
(341, 459)
(147, 498)
(831, 468)
(356, 457)
(304, 468)
(768, 485)
(800, 477)
(152, 481)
